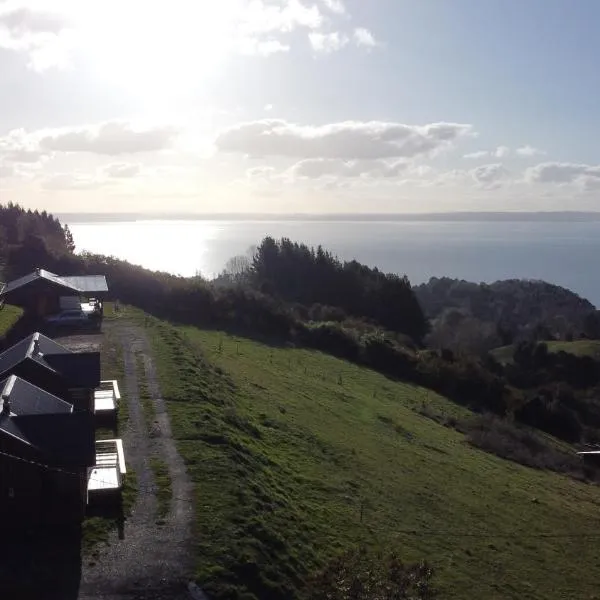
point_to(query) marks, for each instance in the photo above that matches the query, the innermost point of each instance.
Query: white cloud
(268, 107)
(40, 34)
(260, 172)
(499, 152)
(335, 6)
(476, 155)
(111, 138)
(69, 181)
(529, 151)
(6, 171)
(18, 147)
(350, 140)
(22, 21)
(260, 17)
(489, 176)
(122, 170)
(560, 173)
(316, 168)
(256, 47)
(327, 42)
(363, 37)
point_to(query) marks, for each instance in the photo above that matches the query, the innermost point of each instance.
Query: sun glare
(161, 48)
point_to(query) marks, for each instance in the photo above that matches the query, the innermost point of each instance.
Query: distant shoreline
(564, 216)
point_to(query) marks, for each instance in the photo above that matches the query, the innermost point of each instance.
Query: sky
(300, 106)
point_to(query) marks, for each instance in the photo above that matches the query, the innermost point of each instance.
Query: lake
(564, 253)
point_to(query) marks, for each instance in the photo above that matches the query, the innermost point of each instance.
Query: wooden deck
(107, 397)
(107, 474)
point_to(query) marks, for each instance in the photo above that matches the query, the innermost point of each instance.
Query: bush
(358, 575)
(519, 444)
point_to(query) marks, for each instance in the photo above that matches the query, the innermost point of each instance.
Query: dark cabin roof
(24, 398)
(77, 283)
(47, 423)
(77, 369)
(58, 438)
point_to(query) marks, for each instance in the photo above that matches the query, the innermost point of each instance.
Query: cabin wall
(20, 485)
(34, 495)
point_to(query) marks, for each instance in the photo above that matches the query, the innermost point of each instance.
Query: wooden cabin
(46, 451)
(39, 293)
(72, 376)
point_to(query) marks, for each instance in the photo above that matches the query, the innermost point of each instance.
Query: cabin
(43, 293)
(72, 376)
(46, 452)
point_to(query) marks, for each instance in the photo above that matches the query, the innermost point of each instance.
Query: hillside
(297, 455)
(479, 317)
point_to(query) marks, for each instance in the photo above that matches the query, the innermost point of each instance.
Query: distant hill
(478, 316)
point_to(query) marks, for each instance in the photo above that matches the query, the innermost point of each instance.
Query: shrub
(519, 444)
(359, 575)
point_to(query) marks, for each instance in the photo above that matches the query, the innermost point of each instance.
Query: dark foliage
(519, 444)
(28, 239)
(297, 273)
(359, 575)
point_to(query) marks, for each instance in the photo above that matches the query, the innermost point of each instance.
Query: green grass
(164, 490)
(147, 405)
(296, 456)
(9, 315)
(589, 348)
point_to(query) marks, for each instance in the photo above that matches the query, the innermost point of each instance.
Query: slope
(296, 455)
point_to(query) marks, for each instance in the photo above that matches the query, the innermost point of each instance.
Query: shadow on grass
(46, 564)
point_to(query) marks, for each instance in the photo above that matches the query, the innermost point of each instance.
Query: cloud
(479, 154)
(23, 21)
(363, 37)
(260, 17)
(40, 34)
(499, 152)
(122, 170)
(335, 6)
(316, 168)
(327, 42)
(489, 176)
(6, 171)
(257, 47)
(111, 138)
(350, 140)
(559, 173)
(68, 181)
(260, 172)
(529, 151)
(18, 147)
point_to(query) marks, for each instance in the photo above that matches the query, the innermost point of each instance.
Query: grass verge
(9, 315)
(164, 490)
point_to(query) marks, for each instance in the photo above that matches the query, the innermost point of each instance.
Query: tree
(69, 241)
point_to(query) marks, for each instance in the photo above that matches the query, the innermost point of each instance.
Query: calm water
(563, 253)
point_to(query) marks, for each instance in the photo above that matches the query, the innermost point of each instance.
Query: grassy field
(9, 315)
(296, 456)
(578, 348)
